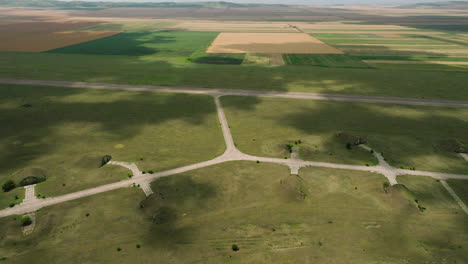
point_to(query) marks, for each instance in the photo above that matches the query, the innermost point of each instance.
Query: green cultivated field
(410, 58)
(409, 137)
(63, 133)
(151, 70)
(173, 46)
(325, 60)
(163, 44)
(197, 216)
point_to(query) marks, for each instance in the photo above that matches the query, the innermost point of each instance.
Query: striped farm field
(272, 43)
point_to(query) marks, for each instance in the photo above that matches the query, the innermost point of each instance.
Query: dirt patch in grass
(273, 43)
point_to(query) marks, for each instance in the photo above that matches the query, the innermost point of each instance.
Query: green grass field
(159, 44)
(150, 70)
(197, 216)
(461, 189)
(63, 133)
(325, 60)
(174, 46)
(410, 58)
(421, 67)
(408, 136)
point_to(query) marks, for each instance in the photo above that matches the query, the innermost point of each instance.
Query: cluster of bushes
(289, 147)
(10, 184)
(351, 140)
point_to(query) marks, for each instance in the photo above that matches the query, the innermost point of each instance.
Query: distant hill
(447, 5)
(98, 5)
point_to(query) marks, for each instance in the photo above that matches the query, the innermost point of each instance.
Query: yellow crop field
(276, 43)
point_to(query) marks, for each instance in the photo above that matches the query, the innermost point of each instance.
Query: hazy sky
(301, 2)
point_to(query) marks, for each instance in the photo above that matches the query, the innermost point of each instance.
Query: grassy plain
(408, 136)
(150, 70)
(273, 217)
(461, 189)
(65, 132)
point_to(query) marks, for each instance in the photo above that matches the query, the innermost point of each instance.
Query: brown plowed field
(43, 36)
(270, 43)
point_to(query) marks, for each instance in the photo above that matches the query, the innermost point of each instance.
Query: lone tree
(385, 187)
(8, 186)
(235, 247)
(26, 220)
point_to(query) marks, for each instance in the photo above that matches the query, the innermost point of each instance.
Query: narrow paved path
(455, 196)
(231, 154)
(220, 92)
(29, 194)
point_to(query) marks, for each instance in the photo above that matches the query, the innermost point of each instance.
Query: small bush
(385, 186)
(258, 161)
(235, 247)
(119, 249)
(26, 220)
(8, 186)
(12, 205)
(348, 146)
(105, 160)
(150, 172)
(138, 246)
(30, 180)
(289, 148)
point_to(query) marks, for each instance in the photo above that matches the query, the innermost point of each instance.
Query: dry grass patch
(43, 36)
(274, 43)
(243, 26)
(51, 40)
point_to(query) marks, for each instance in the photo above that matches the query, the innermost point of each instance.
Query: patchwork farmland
(215, 132)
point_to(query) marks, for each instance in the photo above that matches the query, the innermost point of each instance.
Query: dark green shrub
(385, 186)
(26, 220)
(138, 246)
(8, 186)
(30, 180)
(235, 247)
(105, 160)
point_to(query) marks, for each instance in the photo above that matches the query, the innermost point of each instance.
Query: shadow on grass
(400, 132)
(28, 132)
(128, 43)
(174, 197)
